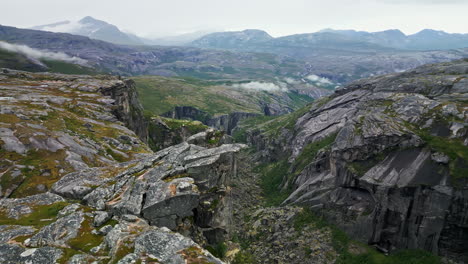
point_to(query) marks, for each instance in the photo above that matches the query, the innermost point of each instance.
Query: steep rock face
(222, 122)
(386, 159)
(128, 108)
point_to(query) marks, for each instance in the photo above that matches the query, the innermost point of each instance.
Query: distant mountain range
(261, 41)
(246, 55)
(258, 40)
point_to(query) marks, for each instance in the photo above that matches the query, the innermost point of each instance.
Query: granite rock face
(385, 159)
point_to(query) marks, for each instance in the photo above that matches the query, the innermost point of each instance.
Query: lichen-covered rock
(58, 233)
(15, 208)
(13, 254)
(8, 232)
(57, 124)
(168, 247)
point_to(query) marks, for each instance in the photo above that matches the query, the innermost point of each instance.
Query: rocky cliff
(385, 159)
(78, 186)
(221, 122)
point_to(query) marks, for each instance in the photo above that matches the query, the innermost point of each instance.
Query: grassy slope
(160, 94)
(20, 62)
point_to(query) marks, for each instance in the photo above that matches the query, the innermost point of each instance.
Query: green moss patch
(85, 240)
(310, 151)
(41, 215)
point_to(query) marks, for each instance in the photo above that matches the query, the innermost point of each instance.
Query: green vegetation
(219, 250)
(243, 257)
(18, 61)
(68, 68)
(270, 125)
(271, 178)
(41, 215)
(167, 130)
(85, 240)
(159, 95)
(367, 255)
(40, 169)
(310, 151)
(360, 168)
(454, 149)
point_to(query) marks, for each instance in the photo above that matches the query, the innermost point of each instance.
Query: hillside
(160, 95)
(18, 61)
(294, 56)
(384, 158)
(344, 56)
(80, 184)
(158, 60)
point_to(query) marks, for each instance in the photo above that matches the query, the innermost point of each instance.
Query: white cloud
(39, 54)
(70, 27)
(318, 79)
(291, 80)
(262, 86)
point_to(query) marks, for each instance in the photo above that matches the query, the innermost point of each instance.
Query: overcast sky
(277, 17)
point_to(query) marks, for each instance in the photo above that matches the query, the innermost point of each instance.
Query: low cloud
(291, 80)
(318, 79)
(39, 54)
(262, 86)
(68, 26)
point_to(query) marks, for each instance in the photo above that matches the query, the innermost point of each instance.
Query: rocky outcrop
(166, 132)
(90, 190)
(225, 123)
(128, 211)
(54, 124)
(127, 107)
(385, 159)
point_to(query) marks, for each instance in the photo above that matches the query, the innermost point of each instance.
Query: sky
(156, 18)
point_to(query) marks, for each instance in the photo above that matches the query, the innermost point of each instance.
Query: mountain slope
(18, 61)
(384, 158)
(166, 61)
(160, 95)
(343, 55)
(92, 28)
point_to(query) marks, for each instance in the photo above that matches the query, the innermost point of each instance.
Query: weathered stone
(13, 254)
(166, 202)
(100, 217)
(58, 233)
